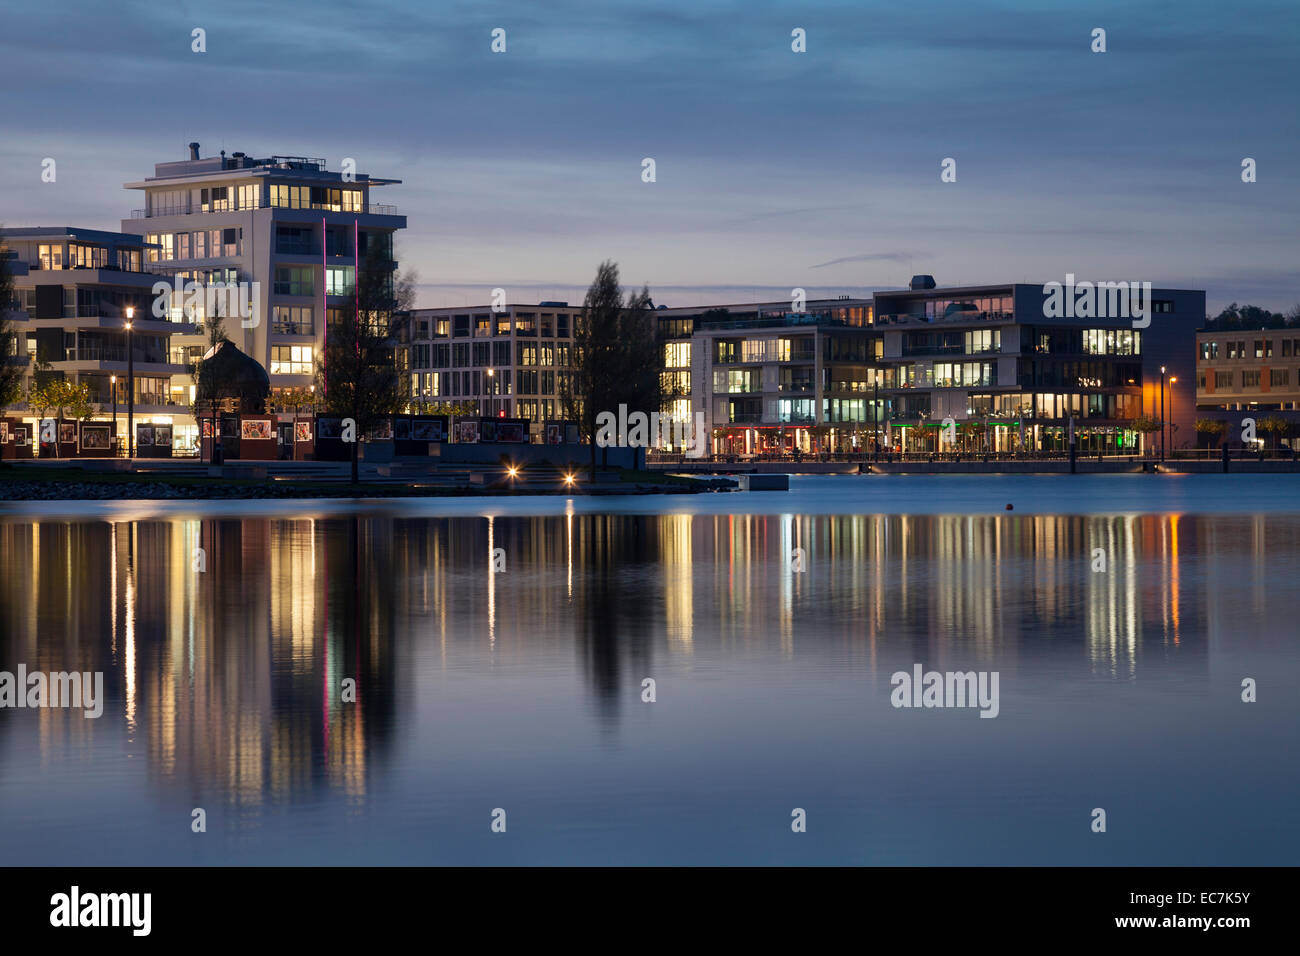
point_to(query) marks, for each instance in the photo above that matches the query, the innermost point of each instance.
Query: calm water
(522, 690)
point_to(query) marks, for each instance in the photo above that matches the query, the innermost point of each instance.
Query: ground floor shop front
(974, 438)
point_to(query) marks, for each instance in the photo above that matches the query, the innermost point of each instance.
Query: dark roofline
(71, 232)
(773, 303)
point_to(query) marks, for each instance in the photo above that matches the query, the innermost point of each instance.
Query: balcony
(291, 247)
(188, 209)
(109, 353)
(906, 318)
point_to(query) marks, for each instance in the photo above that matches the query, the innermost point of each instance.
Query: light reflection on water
(523, 689)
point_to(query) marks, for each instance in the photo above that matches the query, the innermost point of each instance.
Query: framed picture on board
(255, 429)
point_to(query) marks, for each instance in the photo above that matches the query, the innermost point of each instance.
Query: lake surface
(522, 689)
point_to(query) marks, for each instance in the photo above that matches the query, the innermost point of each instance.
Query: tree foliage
(617, 356)
(1253, 317)
(207, 384)
(358, 377)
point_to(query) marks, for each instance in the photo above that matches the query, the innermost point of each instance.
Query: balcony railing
(187, 209)
(107, 353)
(290, 247)
(905, 317)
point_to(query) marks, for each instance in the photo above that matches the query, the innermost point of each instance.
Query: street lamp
(113, 381)
(1173, 434)
(487, 387)
(130, 384)
(876, 414)
(1162, 413)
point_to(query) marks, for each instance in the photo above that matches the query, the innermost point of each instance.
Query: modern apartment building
(842, 375)
(1241, 373)
(290, 228)
(1018, 374)
(506, 363)
(769, 379)
(73, 288)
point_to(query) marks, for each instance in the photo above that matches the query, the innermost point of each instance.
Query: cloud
(875, 257)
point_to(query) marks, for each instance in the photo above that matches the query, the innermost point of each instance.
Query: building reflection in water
(232, 677)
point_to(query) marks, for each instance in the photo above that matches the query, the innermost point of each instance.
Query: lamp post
(487, 387)
(113, 383)
(130, 384)
(1162, 413)
(876, 410)
(1173, 434)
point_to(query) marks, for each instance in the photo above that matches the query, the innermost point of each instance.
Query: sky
(773, 169)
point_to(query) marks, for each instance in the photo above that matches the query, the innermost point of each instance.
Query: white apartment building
(286, 225)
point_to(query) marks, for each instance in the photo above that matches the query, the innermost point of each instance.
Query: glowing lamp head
(569, 479)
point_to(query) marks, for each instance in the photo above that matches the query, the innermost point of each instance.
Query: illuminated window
(735, 381)
(290, 197)
(292, 320)
(676, 383)
(291, 360)
(677, 355)
(338, 280)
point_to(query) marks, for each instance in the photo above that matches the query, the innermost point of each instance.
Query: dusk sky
(774, 169)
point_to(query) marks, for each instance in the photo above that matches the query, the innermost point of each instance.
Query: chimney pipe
(194, 150)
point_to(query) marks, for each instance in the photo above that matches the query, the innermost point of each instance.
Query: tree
(76, 401)
(358, 376)
(207, 387)
(404, 288)
(296, 399)
(1145, 425)
(452, 409)
(1251, 317)
(1275, 426)
(1213, 428)
(12, 360)
(617, 356)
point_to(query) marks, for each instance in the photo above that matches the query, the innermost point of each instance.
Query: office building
(840, 376)
(1248, 373)
(504, 363)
